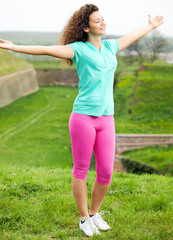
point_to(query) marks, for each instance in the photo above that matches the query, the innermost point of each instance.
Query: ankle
(92, 213)
(84, 217)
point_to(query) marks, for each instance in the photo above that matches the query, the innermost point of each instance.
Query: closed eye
(98, 21)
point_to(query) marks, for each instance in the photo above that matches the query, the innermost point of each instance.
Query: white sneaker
(99, 222)
(88, 227)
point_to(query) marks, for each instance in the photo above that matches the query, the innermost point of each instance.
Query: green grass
(34, 129)
(52, 64)
(158, 157)
(11, 63)
(154, 95)
(143, 103)
(37, 203)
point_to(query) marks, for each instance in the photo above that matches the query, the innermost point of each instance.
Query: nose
(103, 23)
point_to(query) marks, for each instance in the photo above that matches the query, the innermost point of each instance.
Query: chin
(103, 33)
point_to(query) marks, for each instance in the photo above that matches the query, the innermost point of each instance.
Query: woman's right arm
(59, 51)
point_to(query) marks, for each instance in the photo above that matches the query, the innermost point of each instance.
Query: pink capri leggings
(90, 133)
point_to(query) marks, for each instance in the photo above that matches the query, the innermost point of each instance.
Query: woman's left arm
(125, 41)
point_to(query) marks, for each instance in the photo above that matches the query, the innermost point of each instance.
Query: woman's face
(97, 25)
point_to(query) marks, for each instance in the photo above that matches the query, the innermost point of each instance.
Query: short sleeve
(76, 49)
(113, 45)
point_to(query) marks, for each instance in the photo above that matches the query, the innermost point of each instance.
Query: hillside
(10, 63)
(154, 94)
(143, 99)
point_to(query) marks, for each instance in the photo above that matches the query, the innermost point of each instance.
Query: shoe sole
(104, 230)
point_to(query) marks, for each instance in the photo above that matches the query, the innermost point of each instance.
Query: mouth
(103, 28)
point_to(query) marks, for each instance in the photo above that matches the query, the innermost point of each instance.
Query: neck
(95, 40)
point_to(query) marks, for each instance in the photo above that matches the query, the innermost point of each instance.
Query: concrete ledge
(126, 142)
(16, 85)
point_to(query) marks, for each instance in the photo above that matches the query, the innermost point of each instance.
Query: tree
(138, 47)
(156, 42)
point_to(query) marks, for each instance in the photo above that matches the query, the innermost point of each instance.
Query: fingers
(1, 40)
(159, 18)
(161, 23)
(156, 22)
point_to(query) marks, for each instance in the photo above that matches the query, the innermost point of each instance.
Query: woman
(91, 124)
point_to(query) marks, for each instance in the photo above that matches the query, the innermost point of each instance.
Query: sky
(122, 17)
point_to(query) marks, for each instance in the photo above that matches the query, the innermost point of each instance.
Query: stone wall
(57, 77)
(16, 85)
(126, 142)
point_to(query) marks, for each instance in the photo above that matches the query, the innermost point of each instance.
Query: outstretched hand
(155, 22)
(5, 44)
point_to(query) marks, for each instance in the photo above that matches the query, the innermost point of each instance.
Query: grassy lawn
(37, 203)
(34, 129)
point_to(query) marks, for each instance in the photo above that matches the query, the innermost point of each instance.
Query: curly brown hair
(74, 30)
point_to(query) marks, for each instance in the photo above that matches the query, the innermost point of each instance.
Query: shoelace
(99, 216)
(102, 212)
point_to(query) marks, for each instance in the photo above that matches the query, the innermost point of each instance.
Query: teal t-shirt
(95, 70)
